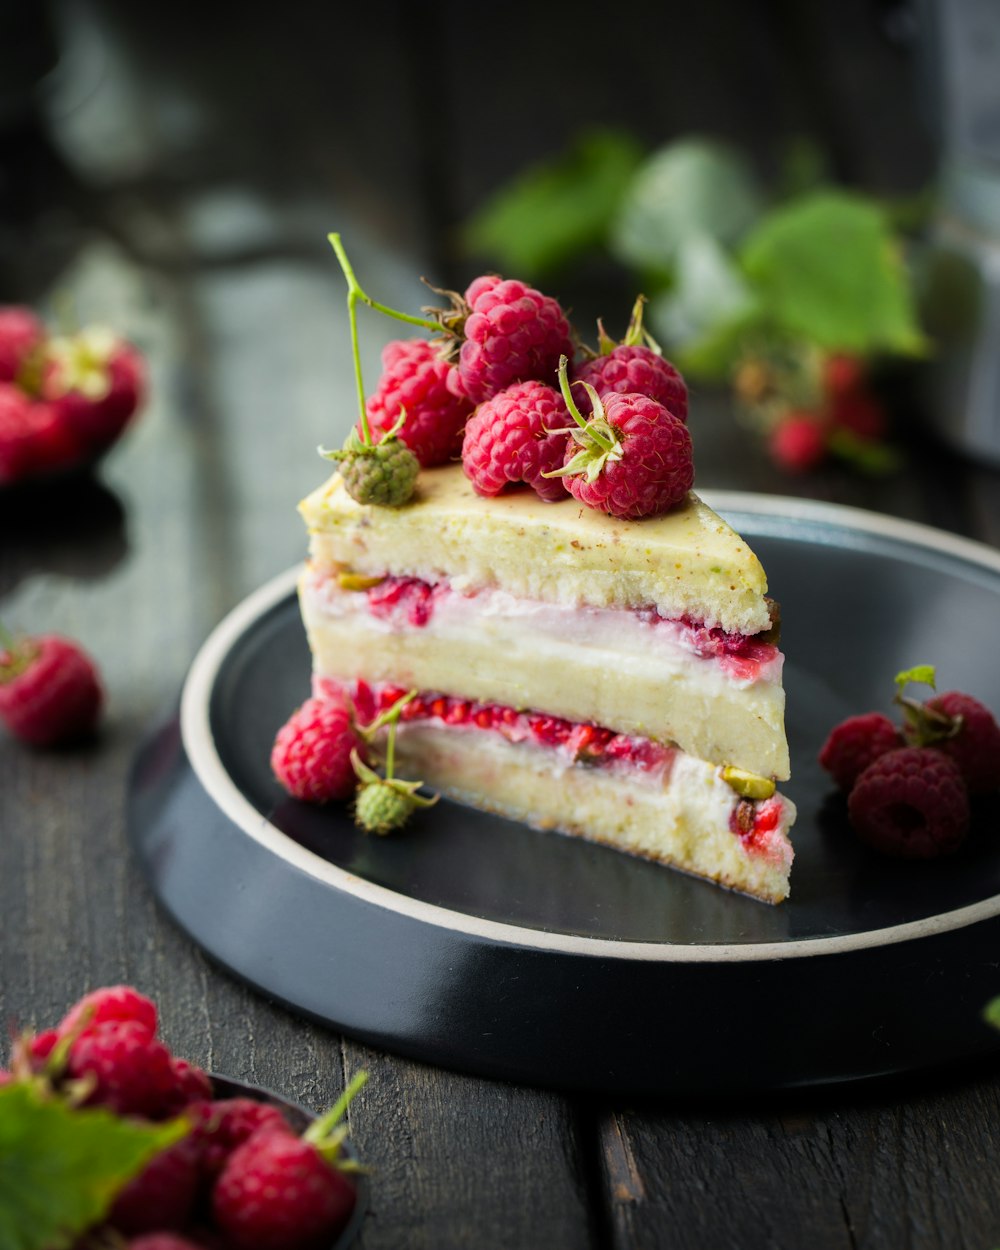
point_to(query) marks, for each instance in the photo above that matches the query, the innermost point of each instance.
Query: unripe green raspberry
(384, 474)
(381, 807)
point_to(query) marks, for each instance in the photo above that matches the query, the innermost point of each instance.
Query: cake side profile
(557, 628)
(611, 703)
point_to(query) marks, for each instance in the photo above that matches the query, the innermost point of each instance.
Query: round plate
(476, 943)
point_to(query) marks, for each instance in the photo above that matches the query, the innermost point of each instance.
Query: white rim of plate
(204, 759)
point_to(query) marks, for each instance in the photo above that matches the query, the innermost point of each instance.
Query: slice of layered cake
(616, 680)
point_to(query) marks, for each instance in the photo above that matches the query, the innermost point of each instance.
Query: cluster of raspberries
(488, 391)
(909, 786)
(239, 1179)
(63, 400)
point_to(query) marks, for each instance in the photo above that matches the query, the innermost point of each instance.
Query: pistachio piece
(747, 785)
(357, 581)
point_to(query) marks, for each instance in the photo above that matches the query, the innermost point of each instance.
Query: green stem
(390, 750)
(567, 393)
(355, 293)
(322, 1127)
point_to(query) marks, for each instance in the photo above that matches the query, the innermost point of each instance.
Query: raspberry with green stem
(384, 472)
(385, 803)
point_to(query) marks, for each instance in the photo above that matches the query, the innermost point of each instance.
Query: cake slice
(616, 680)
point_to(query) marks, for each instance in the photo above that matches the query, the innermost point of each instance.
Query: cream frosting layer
(688, 562)
(631, 672)
(686, 818)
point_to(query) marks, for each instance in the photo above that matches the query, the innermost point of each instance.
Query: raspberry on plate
(911, 803)
(975, 747)
(311, 756)
(223, 1124)
(163, 1194)
(512, 333)
(50, 692)
(517, 436)
(855, 743)
(415, 381)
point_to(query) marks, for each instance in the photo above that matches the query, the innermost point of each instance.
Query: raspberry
(311, 756)
(96, 382)
(114, 1003)
(855, 743)
(130, 1071)
(860, 414)
(381, 808)
(226, 1123)
(21, 336)
(190, 1084)
(415, 379)
(383, 473)
(636, 369)
(912, 803)
(277, 1192)
(976, 746)
(798, 442)
(842, 375)
(507, 440)
(633, 459)
(163, 1194)
(512, 333)
(50, 692)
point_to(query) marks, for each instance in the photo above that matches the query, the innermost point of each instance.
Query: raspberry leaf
(60, 1168)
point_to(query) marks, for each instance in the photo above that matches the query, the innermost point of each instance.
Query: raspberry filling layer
(757, 824)
(410, 603)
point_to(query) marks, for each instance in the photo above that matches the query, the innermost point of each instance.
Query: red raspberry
(21, 335)
(277, 1192)
(163, 1194)
(842, 375)
(507, 440)
(50, 692)
(911, 803)
(513, 333)
(131, 1071)
(97, 382)
(976, 746)
(415, 378)
(861, 414)
(650, 467)
(636, 369)
(855, 743)
(113, 1003)
(798, 442)
(226, 1123)
(311, 756)
(34, 438)
(191, 1084)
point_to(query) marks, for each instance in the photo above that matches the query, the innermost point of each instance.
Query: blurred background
(809, 195)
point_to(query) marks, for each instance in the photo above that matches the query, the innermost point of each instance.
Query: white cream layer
(631, 672)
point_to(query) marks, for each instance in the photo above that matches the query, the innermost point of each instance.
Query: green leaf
(60, 1168)
(558, 209)
(828, 269)
(923, 673)
(691, 188)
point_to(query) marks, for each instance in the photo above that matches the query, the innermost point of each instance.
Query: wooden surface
(230, 290)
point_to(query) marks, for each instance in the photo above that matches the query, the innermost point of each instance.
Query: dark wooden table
(239, 306)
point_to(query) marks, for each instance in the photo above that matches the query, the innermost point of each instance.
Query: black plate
(477, 943)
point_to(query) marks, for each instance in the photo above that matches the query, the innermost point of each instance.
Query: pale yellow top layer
(687, 562)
